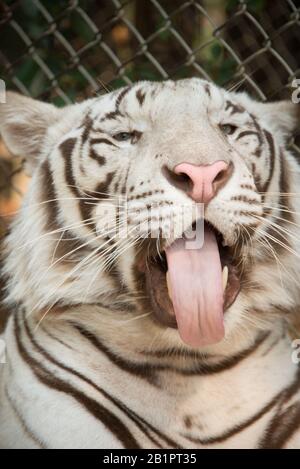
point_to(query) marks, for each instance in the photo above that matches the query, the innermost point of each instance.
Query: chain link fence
(66, 51)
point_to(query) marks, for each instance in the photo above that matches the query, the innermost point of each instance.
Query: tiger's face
(115, 177)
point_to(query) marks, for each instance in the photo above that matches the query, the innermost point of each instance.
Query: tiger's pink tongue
(195, 278)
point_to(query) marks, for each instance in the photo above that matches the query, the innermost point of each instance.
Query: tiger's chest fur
(98, 352)
(96, 398)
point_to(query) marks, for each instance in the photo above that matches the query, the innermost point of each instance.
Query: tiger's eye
(228, 129)
(123, 136)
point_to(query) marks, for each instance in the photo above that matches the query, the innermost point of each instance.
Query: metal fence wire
(65, 51)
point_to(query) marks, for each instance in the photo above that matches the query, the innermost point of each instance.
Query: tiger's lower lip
(156, 286)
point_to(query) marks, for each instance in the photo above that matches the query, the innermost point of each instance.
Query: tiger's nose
(201, 182)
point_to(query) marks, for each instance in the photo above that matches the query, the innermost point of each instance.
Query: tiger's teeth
(168, 285)
(224, 277)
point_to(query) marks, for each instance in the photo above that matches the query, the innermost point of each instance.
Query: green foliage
(79, 34)
(254, 6)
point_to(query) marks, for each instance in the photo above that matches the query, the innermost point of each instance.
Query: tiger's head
(105, 220)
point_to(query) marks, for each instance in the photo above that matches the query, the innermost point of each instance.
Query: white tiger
(98, 354)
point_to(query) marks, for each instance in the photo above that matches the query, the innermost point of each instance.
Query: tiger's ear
(24, 123)
(282, 116)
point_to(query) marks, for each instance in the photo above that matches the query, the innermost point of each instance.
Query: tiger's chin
(191, 290)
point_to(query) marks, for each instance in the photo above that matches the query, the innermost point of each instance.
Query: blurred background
(64, 51)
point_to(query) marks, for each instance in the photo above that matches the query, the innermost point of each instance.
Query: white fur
(180, 122)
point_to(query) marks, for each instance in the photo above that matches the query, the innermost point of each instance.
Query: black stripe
(228, 363)
(286, 422)
(140, 96)
(68, 241)
(175, 353)
(49, 195)
(121, 96)
(235, 108)
(116, 113)
(148, 371)
(281, 431)
(96, 141)
(101, 160)
(256, 177)
(237, 428)
(101, 191)
(108, 419)
(142, 370)
(245, 133)
(111, 115)
(87, 125)
(67, 148)
(271, 145)
(207, 89)
(259, 132)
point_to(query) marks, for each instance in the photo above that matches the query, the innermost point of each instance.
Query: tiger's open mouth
(190, 289)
